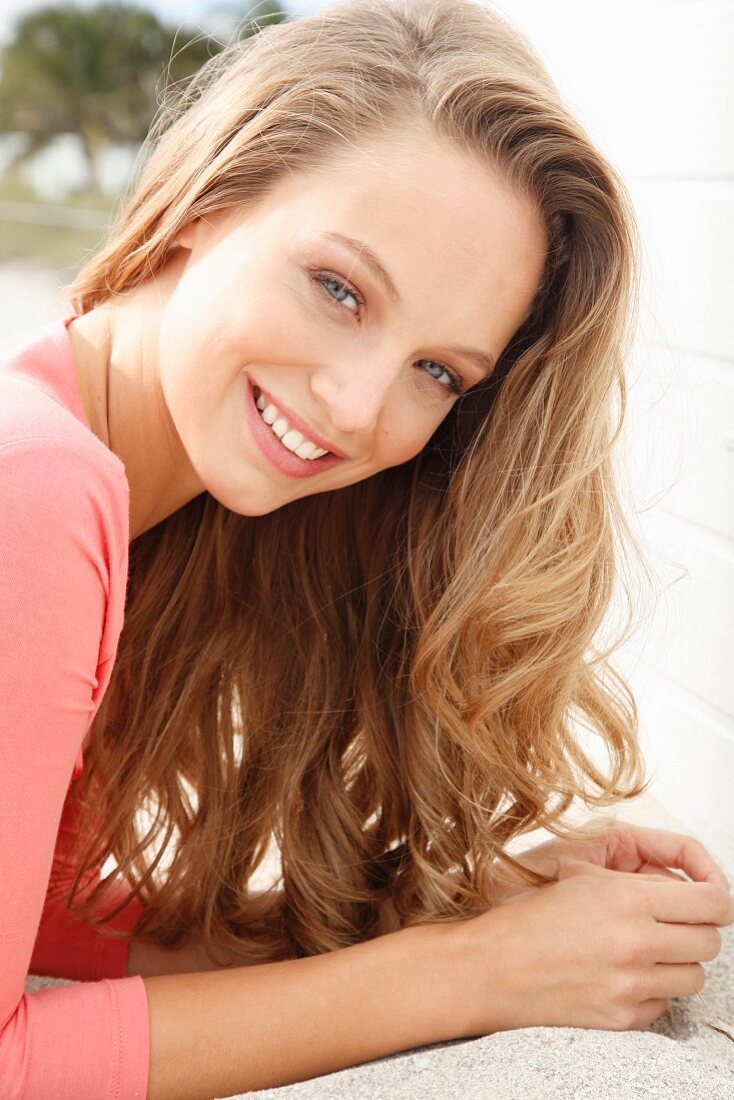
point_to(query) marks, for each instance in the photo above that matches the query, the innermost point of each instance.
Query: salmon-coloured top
(64, 532)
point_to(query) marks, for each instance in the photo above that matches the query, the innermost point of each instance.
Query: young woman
(310, 521)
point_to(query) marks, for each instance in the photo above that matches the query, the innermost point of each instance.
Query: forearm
(229, 1031)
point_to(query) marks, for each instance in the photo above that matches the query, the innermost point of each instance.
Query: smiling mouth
(283, 428)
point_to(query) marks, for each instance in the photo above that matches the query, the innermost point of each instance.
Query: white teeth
(292, 439)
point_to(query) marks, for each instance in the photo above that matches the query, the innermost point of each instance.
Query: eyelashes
(321, 278)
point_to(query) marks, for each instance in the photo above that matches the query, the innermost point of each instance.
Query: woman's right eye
(324, 279)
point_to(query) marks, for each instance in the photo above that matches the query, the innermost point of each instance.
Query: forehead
(439, 217)
(408, 182)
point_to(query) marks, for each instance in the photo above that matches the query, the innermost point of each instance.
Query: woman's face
(363, 356)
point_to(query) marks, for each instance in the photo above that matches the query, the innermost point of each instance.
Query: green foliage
(97, 71)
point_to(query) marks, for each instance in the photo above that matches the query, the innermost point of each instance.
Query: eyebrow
(486, 363)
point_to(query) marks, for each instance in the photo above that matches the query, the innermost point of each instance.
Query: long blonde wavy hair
(388, 680)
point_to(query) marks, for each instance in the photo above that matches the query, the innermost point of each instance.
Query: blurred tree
(95, 71)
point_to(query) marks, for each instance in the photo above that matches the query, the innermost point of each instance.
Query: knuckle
(620, 898)
(632, 949)
(639, 950)
(627, 991)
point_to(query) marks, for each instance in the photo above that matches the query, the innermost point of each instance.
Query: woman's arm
(215, 1034)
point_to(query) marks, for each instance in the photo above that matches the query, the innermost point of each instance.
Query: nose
(354, 394)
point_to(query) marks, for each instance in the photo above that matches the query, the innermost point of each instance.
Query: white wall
(653, 82)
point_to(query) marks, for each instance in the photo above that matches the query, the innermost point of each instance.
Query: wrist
(482, 953)
(441, 977)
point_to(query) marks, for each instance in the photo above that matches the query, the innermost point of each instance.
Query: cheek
(402, 438)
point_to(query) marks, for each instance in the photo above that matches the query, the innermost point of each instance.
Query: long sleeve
(67, 947)
(59, 546)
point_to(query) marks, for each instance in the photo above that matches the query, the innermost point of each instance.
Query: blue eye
(323, 278)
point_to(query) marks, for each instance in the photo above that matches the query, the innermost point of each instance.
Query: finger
(634, 847)
(662, 873)
(579, 867)
(573, 867)
(689, 902)
(681, 943)
(675, 979)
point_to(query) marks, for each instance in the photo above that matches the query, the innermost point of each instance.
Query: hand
(629, 848)
(604, 949)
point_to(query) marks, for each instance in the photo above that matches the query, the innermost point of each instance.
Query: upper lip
(299, 424)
